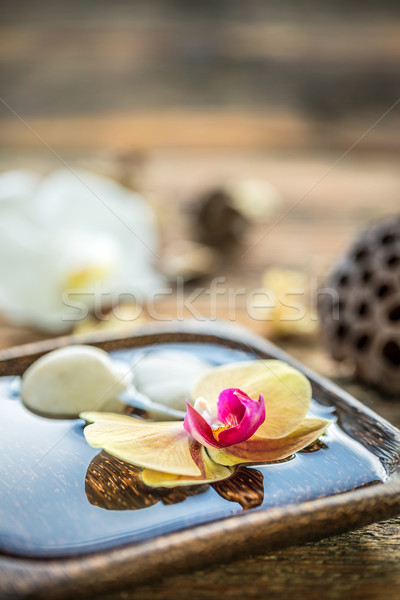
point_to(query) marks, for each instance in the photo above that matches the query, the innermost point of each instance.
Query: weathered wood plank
(358, 565)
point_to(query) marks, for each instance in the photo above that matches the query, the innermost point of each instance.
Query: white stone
(72, 380)
(168, 376)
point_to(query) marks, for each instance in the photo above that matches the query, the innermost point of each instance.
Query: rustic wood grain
(357, 565)
(193, 129)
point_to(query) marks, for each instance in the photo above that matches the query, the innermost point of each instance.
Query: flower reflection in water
(115, 484)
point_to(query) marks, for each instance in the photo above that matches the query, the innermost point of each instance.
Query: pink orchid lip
(240, 417)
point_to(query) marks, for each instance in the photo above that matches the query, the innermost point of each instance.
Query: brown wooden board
(85, 574)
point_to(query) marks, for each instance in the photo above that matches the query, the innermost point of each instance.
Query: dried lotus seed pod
(362, 321)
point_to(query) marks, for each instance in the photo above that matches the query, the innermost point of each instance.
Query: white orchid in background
(68, 240)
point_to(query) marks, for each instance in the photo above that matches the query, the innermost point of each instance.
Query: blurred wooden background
(301, 94)
(197, 93)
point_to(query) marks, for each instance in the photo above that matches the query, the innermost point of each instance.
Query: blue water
(44, 510)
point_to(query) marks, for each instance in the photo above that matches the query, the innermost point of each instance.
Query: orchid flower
(68, 241)
(250, 412)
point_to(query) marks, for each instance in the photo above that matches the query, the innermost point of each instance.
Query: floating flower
(238, 417)
(70, 243)
(250, 412)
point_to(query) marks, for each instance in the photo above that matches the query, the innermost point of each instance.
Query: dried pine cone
(361, 320)
(225, 213)
(218, 223)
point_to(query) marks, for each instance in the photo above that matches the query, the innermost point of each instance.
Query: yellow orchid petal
(210, 471)
(286, 391)
(93, 416)
(161, 446)
(262, 450)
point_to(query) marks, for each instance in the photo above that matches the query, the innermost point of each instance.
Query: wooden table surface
(185, 144)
